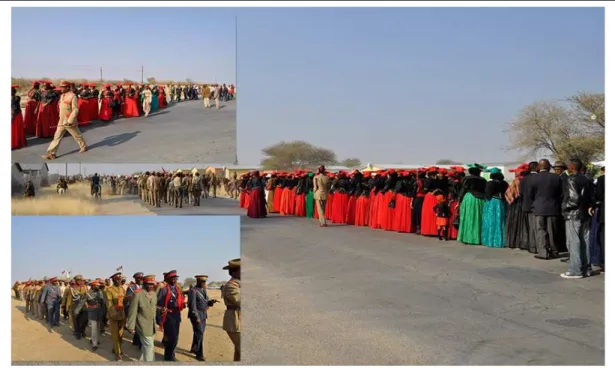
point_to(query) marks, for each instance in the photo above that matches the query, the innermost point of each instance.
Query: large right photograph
(427, 188)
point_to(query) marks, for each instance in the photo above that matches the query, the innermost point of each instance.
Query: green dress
(309, 204)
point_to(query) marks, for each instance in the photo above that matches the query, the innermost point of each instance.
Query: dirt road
(33, 342)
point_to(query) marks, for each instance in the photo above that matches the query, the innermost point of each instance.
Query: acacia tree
(296, 155)
(151, 80)
(563, 131)
(447, 162)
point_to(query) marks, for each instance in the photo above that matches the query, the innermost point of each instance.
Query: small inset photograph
(125, 189)
(148, 95)
(125, 289)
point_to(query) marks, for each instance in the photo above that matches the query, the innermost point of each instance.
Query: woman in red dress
(257, 207)
(388, 203)
(300, 192)
(354, 192)
(402, 218)
(31, 117)
(278, 191)
(376, 185)
(84, 115)
(48, 114)
(131, 103)
(292, 194)
(94, 94)
(18, 131)
(363, 200)
(162, 97)
(428, 217)
(457, 173)
(340, 199)
(106, 104)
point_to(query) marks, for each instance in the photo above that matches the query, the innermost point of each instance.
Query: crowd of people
(42, 116)
(138, 307)
(545, 210)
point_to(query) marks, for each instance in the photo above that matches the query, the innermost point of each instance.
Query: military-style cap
(78, 278)
(138, 275)
(149, 279)
(53, 279)
(116, 276)
(15, 86)
(65, 84)
(232, 264)
(171, 274)
(201, 277)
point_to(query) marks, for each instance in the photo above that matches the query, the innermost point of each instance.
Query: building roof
(32, 167)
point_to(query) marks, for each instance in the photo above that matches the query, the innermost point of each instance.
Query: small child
(442, 215)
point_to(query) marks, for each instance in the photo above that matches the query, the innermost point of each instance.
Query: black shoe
(200, 359)
(564, 260)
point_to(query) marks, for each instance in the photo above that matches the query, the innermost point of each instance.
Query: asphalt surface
(357, 296)
(181, 133)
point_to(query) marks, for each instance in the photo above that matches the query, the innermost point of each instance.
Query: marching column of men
(138, 308)
(175, 189)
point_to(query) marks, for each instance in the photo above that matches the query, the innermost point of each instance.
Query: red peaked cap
(442, 171)
(171, 274)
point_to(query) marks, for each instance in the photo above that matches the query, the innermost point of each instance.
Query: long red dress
(93, 108)
(362, 211)
(284, 207)
(300, 205)
(277, 199)
(162, 100)
(18, 132)
(242, 199)
(84, 115)
(351, 211)
(48, 115)
(339, 208)
(403, 214)
(387, 213)
(374, 209)
(428, 216)
(31, 117)
(329, 206)
(452, 232)
(131, 107)
(257, 207)
(106, 111)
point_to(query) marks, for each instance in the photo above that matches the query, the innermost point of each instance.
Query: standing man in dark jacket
(600, 207)
(546, 195)
(527, 206)
(577, 204)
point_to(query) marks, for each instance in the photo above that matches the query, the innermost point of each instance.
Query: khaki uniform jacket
(321, 187)
(142, 314)
(114, 296)
(77, 290)
(232, 300)
(69, 109)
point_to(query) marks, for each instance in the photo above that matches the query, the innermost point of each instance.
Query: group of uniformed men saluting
(137, 307)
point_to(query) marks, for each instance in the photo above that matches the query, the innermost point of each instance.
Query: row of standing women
(42, 110)
(427, 201)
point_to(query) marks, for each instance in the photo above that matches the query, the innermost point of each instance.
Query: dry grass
(76, 201)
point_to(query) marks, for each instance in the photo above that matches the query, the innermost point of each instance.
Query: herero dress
(493, 230)
(514, 217)
(471, 209)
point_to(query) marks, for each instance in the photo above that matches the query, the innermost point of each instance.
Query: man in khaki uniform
(217, 90)
(206, 92)
(69, 109)
(141, 317)
(121, 184)
(150, 187)
(77, 311)
(321, 191)
(213, 181)
(116, 315)
(231, 295)
(156, 185)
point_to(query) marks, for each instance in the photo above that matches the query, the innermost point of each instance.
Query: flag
(163, 170)
(63, 272)
(120, 269)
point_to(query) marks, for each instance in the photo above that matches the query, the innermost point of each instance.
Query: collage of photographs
(148, 163)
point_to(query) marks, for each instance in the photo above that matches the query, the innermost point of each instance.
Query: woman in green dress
(471, 210)
(493, 232)
(309, 197)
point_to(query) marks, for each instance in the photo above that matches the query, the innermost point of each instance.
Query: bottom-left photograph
(91, 289)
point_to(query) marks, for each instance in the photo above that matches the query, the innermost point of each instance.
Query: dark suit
(525, 188)
(546, 195)
(600, 207)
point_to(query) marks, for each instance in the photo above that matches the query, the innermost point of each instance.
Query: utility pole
(236, 48)
(101, 74)
(141, 74)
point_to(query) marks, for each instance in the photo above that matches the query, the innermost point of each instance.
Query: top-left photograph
(113, 85)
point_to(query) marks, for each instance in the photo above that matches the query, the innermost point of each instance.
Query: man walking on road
(232, 299)
(170, 303)
(321, 185)
(69, 109)
(116, 315)
(198, 303)
(52, 298)
(141, 320)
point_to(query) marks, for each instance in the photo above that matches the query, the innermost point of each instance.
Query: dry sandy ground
(32, 341)
(77, 201)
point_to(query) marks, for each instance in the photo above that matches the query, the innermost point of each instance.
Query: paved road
(182, 133)
(355, 296)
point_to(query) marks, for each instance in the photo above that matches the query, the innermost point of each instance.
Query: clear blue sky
(95, 246)
(117, 169)
(410, 85)
(170, 43)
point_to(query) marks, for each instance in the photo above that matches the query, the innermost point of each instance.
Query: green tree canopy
(563, 130)
(296, 155)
